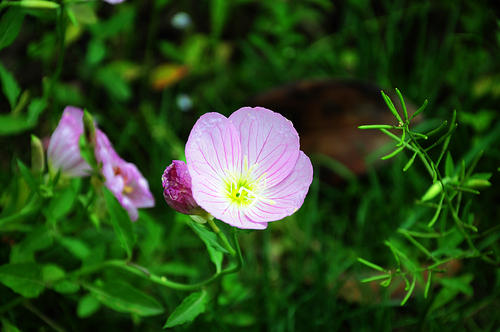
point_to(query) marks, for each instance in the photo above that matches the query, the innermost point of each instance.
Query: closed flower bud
(37, 155)
(177, 189)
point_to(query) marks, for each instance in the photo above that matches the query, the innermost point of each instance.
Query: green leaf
(403, 105)
(28, 177)
(207, 236)
(410, 291)
(66, 287)
(370, 264)
(218, 11)
(87, 306)
(62, 202)
(14, 123)
(120, 221)
(451, 289)
(189, 309)
(24, 278)
(115, 85)
(389, 103)
(10, 25)
(376, 127)
(122, 297)
(449, 167)
(435, 189)
(51, 272)
(410, 162)
(24, 251)
(10, 87)
(8, 327)
(393, 153)
(240, 319)
(215, 250)
(75, 246)
(428, 284)
(419, 110)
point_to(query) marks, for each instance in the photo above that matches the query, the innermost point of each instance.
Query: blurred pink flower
(177, 192)
(123, 179)
(247, 170)
(64, 151)
(114, 2)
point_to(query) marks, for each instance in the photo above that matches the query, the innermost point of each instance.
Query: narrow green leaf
(438, 211)
(410, 162)
(377, 127)
(10, 25)
(389, 103)
(449, 167)
(24, 278)
(393, 153)
(10, 87)
(419, 110)
(403, 105)
(120, 221)
(379, 277)
(123, 297)
(410, 291)
(453, 125)
(189, 309)
(437, 129)
(370, 264)
(28, 176)
(428, 284)
(219, 10)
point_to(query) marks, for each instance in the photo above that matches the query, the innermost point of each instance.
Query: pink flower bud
(177, 189)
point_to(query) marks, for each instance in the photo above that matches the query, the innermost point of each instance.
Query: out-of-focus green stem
(161, 280)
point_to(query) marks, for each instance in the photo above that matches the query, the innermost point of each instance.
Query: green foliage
(189, 309)
(449, 189)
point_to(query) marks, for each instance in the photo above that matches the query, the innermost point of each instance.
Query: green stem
(11, 304)
(221, 236)
(43, 317)
(456, 219)
(161, 280)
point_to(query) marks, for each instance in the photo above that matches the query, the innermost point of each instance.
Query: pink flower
(247, 170)
(64, 151)
(114, 2)
(123, 179)
(177, 192)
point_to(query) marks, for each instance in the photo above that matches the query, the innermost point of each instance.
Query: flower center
(126, 188)
(240, 191)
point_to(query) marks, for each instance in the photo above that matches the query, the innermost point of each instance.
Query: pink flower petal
(63, 151)
(213, 149)
(123, 178)
(286, 197)
(268, 141)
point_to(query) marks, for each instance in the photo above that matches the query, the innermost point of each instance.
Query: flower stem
(221, 236)
(161, 280)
